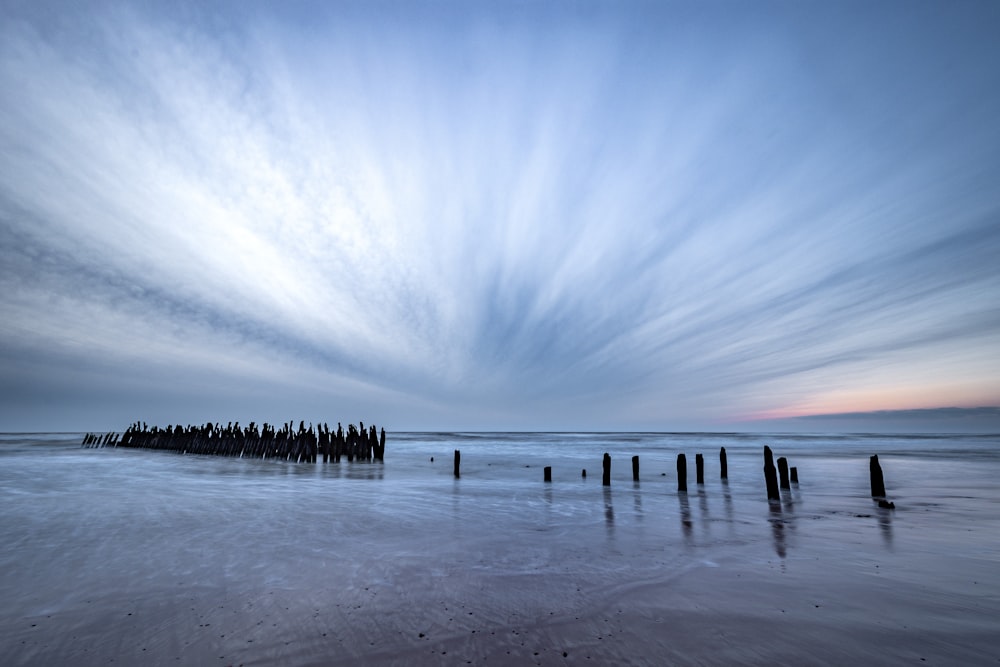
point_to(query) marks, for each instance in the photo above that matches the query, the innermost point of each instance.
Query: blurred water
(120, 529)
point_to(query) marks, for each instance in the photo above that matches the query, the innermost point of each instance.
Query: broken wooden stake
(878, 482)
(770, 475)
(682, 473)
(783, 472)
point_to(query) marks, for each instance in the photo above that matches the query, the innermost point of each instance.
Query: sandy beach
(115, 557)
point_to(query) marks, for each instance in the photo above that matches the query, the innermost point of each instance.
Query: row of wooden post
(305, 444)
(330, 444)
(775, 478)
(96, 440)
(780, 478)
(772, 489)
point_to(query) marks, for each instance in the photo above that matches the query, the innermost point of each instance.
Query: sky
(509, 215)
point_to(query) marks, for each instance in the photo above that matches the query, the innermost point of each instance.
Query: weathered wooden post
(584, 473)
(770, 475)
(682, 473)
(548, 473)
(723, 465)
(635, 468)
(699, 467)
(606, 480)
(458, 461)
(783, 472)
(795, 475)
(878, 482)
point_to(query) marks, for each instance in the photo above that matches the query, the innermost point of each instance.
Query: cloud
(516, 217)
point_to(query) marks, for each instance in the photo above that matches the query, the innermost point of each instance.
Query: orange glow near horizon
(880, 399)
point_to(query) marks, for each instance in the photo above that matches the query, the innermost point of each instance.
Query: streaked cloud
(507, 216)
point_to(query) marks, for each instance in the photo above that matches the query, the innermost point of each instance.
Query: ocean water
(132, 556)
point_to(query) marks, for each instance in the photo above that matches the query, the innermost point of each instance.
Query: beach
(113, 556)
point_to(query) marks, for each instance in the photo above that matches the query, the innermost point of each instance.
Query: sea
(126, 556)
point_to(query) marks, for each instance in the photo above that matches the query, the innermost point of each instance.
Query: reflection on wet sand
(609, 511)
(703, 508)
(885, 525)
(788, 521)
(333, 472)
(686, 524)
(364, 472)
(727, 499)
(777, 528)
(787, 505)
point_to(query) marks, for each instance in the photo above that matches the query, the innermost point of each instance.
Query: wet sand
(787, 613)
(148, 559)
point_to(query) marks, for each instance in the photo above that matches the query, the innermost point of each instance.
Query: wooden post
(878, 482)
(584, 473)
(635, 468)
(770, 475)
(458, 460)
(723, 464)
(606, 480)
(783, 472)
(682, 473)
(699, 466)
(548, 473)
(795, 475)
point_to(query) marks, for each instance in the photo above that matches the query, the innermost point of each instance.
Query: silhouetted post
(682, 473)
(878, 482)
(699, 467)
(770, 475)
(783, 472)
(458, 461)
(606, 480)
(635, 468)
(584, 473)
(795, 475)
(548, 473)
(723, 464)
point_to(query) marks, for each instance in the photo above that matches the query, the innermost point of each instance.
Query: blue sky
(513, 215)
